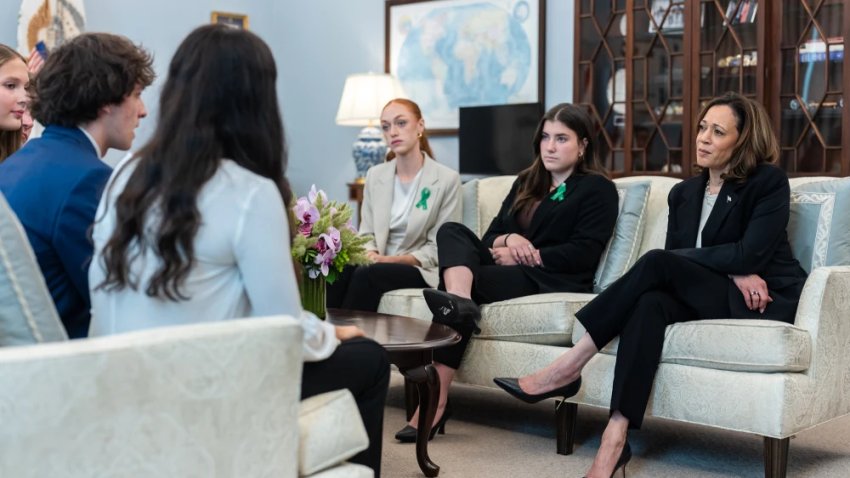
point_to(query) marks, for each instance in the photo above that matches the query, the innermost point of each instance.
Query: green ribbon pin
(558, 195)
(423, 200)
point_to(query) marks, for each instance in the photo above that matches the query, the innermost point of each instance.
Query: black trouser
(662, 288)
(361, 287)
(457, 245)
(361, 366)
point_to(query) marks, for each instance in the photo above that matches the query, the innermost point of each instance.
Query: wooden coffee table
(410, 344)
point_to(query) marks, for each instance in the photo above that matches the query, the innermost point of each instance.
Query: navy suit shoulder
(53, 184)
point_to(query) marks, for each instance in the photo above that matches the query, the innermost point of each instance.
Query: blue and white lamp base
(368, 150)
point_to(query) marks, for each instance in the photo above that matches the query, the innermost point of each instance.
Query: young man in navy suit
(88, 96)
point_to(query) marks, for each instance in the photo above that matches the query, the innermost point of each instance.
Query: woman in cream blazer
(405, 201)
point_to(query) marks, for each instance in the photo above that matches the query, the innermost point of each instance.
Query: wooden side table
(410, 345)
(355, 193)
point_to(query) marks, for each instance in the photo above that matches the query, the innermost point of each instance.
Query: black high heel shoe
(408, 433)
(511, 385)
(452, 310)
(625, 456)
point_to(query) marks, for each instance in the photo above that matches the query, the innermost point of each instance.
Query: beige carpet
(493, 435)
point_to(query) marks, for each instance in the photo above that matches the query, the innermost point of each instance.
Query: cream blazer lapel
(382, 198)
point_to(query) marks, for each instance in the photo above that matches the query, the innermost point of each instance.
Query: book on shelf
(743, 12)
(753, 11)
(740, 12)
(816, 50)
(731, 10)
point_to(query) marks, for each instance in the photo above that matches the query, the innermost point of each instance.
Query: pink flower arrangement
(326, 241)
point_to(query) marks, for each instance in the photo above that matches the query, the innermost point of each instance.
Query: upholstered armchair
(207, 400)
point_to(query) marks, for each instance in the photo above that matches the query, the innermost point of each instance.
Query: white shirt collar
(93, 142)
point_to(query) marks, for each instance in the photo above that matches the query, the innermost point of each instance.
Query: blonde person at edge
(193, 227)
(14, 79)
(405, 201)
(547, 237)
(726, 255)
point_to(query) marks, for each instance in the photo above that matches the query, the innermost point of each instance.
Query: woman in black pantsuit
(726, 255)
(548, 237)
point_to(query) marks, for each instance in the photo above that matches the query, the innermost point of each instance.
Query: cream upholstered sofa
(767, 378)
(209, 400)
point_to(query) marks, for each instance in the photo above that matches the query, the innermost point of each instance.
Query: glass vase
(313, 292)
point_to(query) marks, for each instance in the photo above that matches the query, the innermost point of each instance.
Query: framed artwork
(235, 20)
(452, 53)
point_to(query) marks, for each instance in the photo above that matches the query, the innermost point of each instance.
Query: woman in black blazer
(548, 237)
(726, 255)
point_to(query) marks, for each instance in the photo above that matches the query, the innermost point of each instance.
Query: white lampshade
(364, 96)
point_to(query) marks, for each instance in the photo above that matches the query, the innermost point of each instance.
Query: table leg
(428, 384)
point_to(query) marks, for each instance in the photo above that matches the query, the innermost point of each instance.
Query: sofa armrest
(824, 310)
(330, 431)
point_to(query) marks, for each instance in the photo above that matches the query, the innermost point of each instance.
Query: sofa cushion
(819, 222)
(623, 248)
(537, 319)
(742, 345)
(328, 434)
(27, 313)
(482, 199)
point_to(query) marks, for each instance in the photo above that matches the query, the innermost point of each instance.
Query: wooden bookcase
(645, 67)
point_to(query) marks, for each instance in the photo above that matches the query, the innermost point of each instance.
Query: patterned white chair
(208, 400)
(777, 379)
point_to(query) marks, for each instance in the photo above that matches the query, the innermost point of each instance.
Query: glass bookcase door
(601, 84)
(657, 80)
(811, 93)
(728, 48)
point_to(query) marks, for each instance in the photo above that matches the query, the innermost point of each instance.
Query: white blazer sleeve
(367, 215)
(261, 246)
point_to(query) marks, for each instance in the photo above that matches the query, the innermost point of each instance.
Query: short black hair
(89, 72)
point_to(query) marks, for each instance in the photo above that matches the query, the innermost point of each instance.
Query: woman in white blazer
(405, 201)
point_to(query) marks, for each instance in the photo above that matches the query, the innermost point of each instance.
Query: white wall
(316, 43)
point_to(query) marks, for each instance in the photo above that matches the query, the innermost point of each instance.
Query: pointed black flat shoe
(452, 310)
(408, 433)
(511, 385)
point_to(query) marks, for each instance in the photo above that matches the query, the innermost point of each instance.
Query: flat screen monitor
(496, 140)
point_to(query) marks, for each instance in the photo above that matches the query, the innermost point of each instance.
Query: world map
(467, 55)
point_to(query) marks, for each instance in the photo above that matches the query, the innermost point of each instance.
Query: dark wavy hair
(535, 180)
(10, 140)
(219, 101)
(756, 141)
(413, 108)
(86, 73)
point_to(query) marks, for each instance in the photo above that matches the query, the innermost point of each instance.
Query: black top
(744, 234)
(571, 233)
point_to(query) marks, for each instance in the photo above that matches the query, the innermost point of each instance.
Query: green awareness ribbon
(423, 200)
(559, 193)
